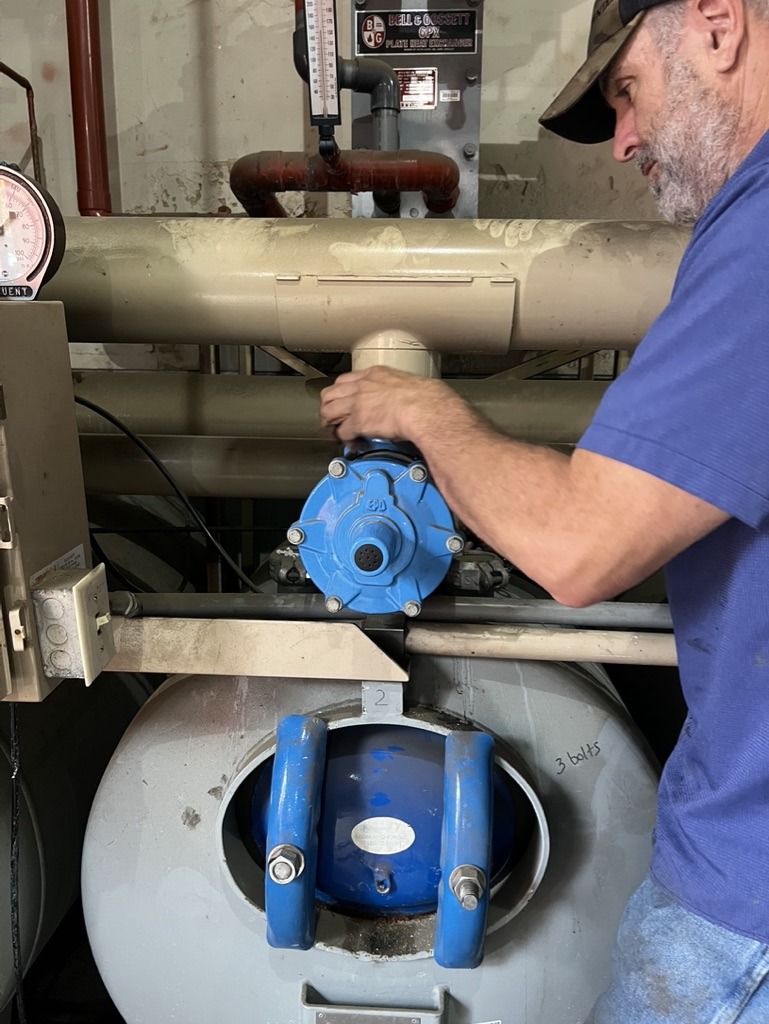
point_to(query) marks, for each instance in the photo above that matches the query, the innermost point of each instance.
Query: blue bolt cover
(381, 822)
(375, 537)
(292, 820)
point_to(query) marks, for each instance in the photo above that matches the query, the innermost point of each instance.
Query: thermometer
(320, 20)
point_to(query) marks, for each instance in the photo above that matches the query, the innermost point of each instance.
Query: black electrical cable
(121, 577)
(15, 815)
(177, 489)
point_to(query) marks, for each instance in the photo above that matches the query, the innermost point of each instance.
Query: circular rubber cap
(369, 558)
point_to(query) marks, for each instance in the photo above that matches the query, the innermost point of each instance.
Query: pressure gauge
(32, 235)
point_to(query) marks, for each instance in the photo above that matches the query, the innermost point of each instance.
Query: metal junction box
(435, 48)
(43, 519)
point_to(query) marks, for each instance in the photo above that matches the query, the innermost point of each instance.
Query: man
(674, 470)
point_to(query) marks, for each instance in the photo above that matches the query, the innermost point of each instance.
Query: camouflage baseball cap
(580, 113)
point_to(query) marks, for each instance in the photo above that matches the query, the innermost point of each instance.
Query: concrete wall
(190, 86)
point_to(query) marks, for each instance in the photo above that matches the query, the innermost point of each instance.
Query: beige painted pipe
(538, 643)
(554, 412)
(216, 467)
(323, 285)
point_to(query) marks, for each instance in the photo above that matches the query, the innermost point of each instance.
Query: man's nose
(627, 141)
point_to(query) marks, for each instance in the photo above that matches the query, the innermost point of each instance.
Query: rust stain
(49, 71)
(18, 132)
(156, 149)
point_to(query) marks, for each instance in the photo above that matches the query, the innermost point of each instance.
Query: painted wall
(190, 86)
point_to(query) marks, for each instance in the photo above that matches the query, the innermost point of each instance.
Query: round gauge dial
(31, 235)
(23, 234)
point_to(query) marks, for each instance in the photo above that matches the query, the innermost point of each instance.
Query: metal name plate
(415, 32)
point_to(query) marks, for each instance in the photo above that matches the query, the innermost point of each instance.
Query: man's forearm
(515, 496)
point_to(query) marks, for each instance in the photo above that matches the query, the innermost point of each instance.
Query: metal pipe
(34, 138)
(205, 467)
(85, 74)
(256, 177)
(528, 643)
(608, 615)
(322, 285)
(234, 407)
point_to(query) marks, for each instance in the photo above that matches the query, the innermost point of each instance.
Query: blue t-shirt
(693, 409)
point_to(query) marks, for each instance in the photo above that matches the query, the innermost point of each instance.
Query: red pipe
(255, 178)
(84, 45)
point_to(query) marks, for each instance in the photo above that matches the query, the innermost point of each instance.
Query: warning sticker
(419, 88)
(406, 32)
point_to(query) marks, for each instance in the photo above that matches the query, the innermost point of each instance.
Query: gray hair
(666, 21)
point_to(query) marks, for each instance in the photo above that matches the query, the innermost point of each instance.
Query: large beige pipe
(554, 412)
(216, 467)
(452, 285)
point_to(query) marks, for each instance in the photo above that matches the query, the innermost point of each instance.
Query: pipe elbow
(373, 76)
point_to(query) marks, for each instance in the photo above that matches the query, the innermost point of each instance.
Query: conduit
(458, 285)
(606, 615)
(85, 75)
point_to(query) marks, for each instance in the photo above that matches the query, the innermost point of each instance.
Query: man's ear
(721, 27)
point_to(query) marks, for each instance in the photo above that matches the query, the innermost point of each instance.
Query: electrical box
(43, 518)
(435, 50)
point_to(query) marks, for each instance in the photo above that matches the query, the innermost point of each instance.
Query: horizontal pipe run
(214, 467)
(237, 281)
(607, 615)
(237, 407)
(530, 643)
(255, 178)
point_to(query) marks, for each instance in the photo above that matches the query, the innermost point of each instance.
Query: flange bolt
(338, 469)
(455, 544)
(412, 609)
(418, 473)
(333, 605)
(468, 884)
(295, 535)
(285, 863)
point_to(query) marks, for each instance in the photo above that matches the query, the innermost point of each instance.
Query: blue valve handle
(297, 778)
(465, 841)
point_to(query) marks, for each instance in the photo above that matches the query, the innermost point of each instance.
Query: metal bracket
(381, 700)
(315, 1013)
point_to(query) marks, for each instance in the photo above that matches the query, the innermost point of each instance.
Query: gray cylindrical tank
(174, 905)
(65, 744)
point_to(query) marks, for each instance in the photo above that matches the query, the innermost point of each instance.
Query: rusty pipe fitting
(255, 177)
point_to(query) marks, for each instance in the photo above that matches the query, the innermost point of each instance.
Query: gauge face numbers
(24, 235)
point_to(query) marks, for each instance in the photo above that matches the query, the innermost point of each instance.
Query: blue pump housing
(375, 536)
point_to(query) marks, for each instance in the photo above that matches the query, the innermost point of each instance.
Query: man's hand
(380, 402)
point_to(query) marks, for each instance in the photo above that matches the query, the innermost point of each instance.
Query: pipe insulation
(206, 405)
(324, 285)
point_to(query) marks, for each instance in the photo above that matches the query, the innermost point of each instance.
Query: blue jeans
(671, 966)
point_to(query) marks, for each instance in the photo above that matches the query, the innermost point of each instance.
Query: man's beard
(692, 141)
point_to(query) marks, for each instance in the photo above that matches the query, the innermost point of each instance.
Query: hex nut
(337, 469)
(468, 883)
(333, 605)
(455, 544)
(295, 535)
(285, 863)
(418, 473)
(412, 609)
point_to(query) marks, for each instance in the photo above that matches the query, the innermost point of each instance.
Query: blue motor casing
(376, 537)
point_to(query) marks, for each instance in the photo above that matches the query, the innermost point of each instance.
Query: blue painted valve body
(375, 535)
